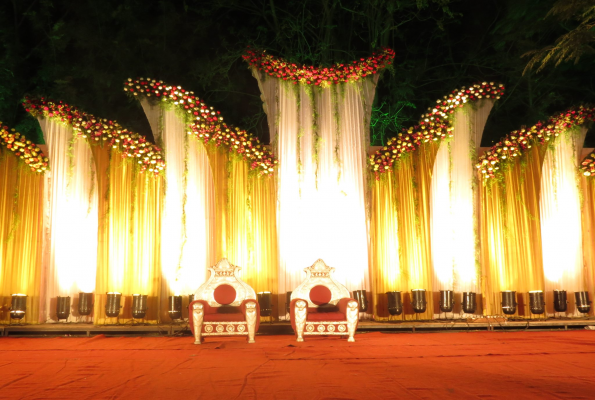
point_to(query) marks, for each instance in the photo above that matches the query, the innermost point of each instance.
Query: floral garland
(516, 142)
(435, 125)
(100, 131)
(205, 123)
(319, 76)
(587, 166)
(23, 149)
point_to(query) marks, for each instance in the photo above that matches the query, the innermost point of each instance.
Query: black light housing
(85, 303)
(418, 300)
(560, 300)
(362, 300)
(190, 298)
(18, 306)
(287, 302)
(139, 306)
(395, 304)
(583, 304)
(537, 301)
(174, 307)
(264, 301)
(112, 307)
(63, 307)
(469, 302)
(447, 300)
(509, 302)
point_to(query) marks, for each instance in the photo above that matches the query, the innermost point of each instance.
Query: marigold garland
(516, 142)
(435, 125)
(587, 166)
(320, 76)
(24, 149)
(205, 123)
(100, 131)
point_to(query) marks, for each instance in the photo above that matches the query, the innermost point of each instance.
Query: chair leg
(352, 316)
(197, 319)
(251, 320)
(301, 314)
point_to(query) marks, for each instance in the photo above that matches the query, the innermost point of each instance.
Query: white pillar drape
(320, 136)
(453, 203)
(187, 236)
(560, 215)
(69, 260)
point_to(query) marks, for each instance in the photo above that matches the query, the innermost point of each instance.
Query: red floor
(512, 365)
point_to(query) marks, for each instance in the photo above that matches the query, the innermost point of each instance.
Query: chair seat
(219, 317)
(326, 316)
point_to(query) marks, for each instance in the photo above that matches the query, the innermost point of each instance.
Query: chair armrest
(292, 311)
(256, 305)
(206, 310)
(343, 304)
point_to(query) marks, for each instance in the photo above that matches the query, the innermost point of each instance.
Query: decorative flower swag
(320, 76)
(517, 142)
(99, 131)
(435, 125)
(205, 123)
(24, 149)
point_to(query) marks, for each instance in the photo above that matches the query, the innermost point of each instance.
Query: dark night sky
(82, 51)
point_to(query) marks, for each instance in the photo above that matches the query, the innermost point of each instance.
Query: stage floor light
(418, 300)
(112, 307)
(63, 307)
(174, 307)
(362, 300)
(508, 302)
(264, 301)
(85, 303)
(469, 302)
(583, 304)
(139, 306)
(18, 306)
(560, 300)
(447, 300)
(395, 303)
(537, 301)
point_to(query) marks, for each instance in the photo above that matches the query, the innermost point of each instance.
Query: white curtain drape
(320, 136)
(453, 204)
(69, 260)
(560, 212)
(187, 237)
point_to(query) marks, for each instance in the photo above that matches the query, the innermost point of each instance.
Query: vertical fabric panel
(130, 218)
(560, 213)
(20, 235)
(588, 212)
(69, 261)
(454, 208)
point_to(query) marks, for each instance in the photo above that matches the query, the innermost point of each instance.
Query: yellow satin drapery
(400, 232)
(511, 233)
(129, 248)
(246, 223)
(21, 223)
(588, 214)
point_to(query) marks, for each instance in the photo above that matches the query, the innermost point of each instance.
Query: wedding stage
(519, 365)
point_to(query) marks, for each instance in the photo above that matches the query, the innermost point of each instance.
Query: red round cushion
(224, 294)
(320, 295)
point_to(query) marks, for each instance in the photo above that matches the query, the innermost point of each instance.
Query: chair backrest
(320, 274)
(224, 286)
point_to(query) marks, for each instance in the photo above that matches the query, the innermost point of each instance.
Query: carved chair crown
(224, 283)
(320, 274)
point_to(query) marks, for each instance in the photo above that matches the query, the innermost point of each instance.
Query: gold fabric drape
(246, 220)
(20, 235)
(588, 212)
(511, 234)
(400, 232)
(129, 258)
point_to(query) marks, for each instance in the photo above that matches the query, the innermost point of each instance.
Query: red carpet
(513, 365)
